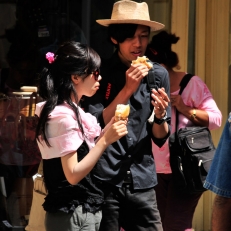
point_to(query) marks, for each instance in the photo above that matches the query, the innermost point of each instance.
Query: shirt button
(130, 139)
(129, 156)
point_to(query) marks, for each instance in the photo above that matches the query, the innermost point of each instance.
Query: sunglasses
(96, 74)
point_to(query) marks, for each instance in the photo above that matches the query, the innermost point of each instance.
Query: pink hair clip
(50, 57)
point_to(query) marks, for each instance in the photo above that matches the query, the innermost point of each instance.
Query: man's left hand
(160, 102)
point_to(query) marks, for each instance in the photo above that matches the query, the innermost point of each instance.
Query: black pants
(133, 210)
(176, 209)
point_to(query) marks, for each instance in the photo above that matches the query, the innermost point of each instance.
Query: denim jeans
(133, 210)
(75, 221)
(218, 178)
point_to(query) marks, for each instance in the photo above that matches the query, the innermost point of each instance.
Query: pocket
(177, 172)
(79, 217)
(198, 142)
(199, 172)
(195, 139)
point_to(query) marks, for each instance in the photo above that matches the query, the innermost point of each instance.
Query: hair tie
(50, 57)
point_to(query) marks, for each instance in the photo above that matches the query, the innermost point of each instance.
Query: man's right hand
(134, 75)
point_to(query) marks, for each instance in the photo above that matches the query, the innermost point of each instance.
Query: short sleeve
(63, 135)
(63, 132)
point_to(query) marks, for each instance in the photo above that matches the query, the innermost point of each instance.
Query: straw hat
(127, 11)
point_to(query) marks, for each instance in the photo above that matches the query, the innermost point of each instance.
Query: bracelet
(160, 121)
(194, 114)
(162, 114)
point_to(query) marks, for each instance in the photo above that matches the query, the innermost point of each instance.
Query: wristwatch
(160, 121)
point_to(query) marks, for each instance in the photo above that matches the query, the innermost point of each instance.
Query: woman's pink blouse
(195, 95)
(63, 132)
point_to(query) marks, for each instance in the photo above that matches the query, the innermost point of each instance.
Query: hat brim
(152, 24)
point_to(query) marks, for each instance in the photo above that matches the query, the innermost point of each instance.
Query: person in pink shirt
(196, 106)
(66, 137)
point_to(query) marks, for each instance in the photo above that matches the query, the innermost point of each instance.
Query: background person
(19, 154)
(23, 68)
(126, 171)
(66, 135)
(218, 181)
(196, 107)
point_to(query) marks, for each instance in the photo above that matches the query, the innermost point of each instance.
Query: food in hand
(122, 112)
(143, 60)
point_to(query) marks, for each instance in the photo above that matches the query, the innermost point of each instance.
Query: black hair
(56, 86)
(159, 49)
(120, 32)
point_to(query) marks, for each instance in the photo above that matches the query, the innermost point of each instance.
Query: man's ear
(75, 79)
(114, 41)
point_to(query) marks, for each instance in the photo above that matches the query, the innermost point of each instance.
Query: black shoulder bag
(191, 153)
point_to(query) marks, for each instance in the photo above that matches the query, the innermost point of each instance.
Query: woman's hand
(201, 116)
(115, 130)
(176, 101)
(109, 124)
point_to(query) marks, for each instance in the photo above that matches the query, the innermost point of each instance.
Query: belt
(128, 178)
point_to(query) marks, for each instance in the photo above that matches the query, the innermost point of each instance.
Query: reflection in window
(40, 27)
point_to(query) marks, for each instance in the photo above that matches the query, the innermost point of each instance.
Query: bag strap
(151, 79)
(183, 84)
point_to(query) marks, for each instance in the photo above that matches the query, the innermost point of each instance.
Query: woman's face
(87, 86)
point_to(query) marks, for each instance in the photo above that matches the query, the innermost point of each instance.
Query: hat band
(130, 15)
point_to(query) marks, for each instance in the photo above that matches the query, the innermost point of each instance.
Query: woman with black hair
(66, 138)
(196, 106)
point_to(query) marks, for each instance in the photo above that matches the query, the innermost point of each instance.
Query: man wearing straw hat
(126, 172)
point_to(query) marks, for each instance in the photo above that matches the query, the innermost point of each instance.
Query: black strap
(151, 79)
(183, 84)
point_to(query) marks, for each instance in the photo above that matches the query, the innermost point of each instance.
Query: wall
(211, 64)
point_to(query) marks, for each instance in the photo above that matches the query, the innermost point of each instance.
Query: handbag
(37, 213)
(191, 153)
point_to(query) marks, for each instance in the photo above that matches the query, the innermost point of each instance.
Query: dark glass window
(28, 30)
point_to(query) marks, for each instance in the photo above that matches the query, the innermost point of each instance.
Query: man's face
(136, 46)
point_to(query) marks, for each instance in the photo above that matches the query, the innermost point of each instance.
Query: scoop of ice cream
(122, 112)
